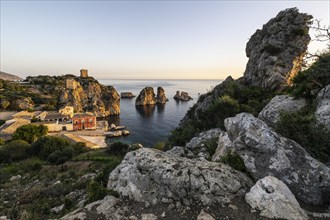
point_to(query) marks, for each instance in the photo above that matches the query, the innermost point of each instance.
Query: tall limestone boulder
(276, 51)
(264, 152)
(89, 95)
(161, 97)
(146, 97)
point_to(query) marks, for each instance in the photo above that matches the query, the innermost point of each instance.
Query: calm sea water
(150, 124)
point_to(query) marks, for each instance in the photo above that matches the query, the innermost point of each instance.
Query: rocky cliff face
(89, 95)
(276, 51)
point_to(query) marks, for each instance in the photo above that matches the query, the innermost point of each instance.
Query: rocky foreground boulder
(323, 107)
(274, 200)
(265, 152)
(280, 103)
(149, 175)
(276, 51)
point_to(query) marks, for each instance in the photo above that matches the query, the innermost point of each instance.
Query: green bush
(30, 132)
(2, 142)
(15, 150)
(302, 127)
(118, 148)
(95, 191)
(233, 160)
(211, 145)
(160, 145)
(180, 135)
(46, 145)
(309, 82)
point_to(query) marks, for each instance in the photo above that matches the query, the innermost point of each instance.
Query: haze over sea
(151, 124)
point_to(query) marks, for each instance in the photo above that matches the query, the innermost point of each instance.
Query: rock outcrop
(276, 51)
(23, 103)
(127, 95)
(161, 98)
(184, 96)
(198, 144)
(224, 145)
(149, 175)
(88, 95)
(265, 152)
(274, 200)
(280, 103)
(322, 112)
(146, 97)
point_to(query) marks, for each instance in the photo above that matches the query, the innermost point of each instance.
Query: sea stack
(146, 97)
(183, 96)
(161, 98)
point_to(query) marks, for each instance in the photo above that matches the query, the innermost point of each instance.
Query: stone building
(84, 121)
(71, 84)
(67, 110)
(83, 73)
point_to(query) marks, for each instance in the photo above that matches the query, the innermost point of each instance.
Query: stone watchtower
(83, 73)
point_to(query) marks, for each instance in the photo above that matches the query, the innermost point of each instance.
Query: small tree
(30, 132)
(46, 145)
(16, 150)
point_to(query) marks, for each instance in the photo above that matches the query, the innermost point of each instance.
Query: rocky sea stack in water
(147, 96)
(276, 51)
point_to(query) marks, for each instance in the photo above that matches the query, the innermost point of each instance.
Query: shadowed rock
(276, 51)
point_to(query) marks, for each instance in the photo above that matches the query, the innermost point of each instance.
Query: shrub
(95, 191)
(1, 142)
(181, 135)
(307, 83)
(233, 160)
(16, 150)
(302, 127)
(211, 145)
(46, 145)
(31, 164)
(160, 145)
(30, 132)
(103, 176)
(118, 148)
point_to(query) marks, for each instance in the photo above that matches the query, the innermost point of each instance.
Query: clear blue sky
(136, 39)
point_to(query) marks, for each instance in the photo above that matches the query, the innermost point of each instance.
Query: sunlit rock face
(276, 51)
(89, 95)
(146, 97)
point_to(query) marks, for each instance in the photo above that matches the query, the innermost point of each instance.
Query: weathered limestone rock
(182, 97)
(274, 199)
(224, 145)
(198, 144)
(146, 97)
(148, 217)
(161, 98)
(149, 175)
(180, 152)
(280, 103)
(107, 207)
(322, 112)
(204, 216)
(265, 152)
(89, 95)
(23, 103)
(276, 51)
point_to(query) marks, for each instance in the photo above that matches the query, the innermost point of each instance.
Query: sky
(136, 39)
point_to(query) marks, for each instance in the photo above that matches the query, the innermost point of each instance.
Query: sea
(153, 123)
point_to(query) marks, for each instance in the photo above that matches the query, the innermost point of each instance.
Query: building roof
(54, 115)
(83, 115)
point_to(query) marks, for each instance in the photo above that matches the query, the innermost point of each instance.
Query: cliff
(147, 96)
(89, 95)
